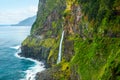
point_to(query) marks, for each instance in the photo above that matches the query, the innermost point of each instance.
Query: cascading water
(60, 49)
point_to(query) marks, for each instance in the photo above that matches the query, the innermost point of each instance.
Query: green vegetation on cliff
(103, 16)
(48, 9)
(97, 54)
(97, 59)
(91, 45)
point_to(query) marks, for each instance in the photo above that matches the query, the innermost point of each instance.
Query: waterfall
(60, 49)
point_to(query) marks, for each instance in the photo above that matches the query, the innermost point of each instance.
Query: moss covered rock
(91, 45)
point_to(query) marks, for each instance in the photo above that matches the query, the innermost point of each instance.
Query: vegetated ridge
(91, 44)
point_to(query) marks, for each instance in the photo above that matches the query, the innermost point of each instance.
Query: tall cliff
(91, 45)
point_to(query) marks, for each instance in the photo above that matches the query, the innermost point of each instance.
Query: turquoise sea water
(14, 67)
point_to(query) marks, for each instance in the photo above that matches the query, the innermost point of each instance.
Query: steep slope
(91, 44)
(26, 22)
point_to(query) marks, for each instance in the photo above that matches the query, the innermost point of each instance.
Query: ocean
(12, 66)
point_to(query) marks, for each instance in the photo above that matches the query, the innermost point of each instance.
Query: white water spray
(30, 74)
(60, 49)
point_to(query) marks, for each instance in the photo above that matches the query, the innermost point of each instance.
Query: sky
(13, 11)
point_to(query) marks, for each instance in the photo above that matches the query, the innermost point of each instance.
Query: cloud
(32, 9)
(14, 16)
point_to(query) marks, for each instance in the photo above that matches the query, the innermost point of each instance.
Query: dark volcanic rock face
(40, 54)
(45, 75)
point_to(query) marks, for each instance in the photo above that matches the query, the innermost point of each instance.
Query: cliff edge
(91, 44)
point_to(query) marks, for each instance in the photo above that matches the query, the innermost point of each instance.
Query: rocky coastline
(91, 44)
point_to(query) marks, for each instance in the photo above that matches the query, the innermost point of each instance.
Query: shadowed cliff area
(91, 44)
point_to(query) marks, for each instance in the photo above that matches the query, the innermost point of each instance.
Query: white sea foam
(16, 47)
(32, 71)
